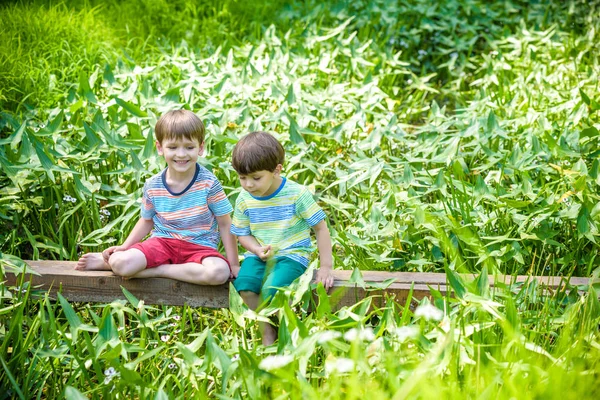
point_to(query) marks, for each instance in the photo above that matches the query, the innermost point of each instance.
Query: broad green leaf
(73, 394)
(131, 108)
(295, 135)
(455, 282)
(92, 140)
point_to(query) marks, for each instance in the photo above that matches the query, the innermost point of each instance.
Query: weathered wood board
(104, 286)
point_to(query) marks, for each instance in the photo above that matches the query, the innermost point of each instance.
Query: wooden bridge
(104, 286)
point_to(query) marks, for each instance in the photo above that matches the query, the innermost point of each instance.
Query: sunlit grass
(518, 341)
(502, 172)
(459, 136)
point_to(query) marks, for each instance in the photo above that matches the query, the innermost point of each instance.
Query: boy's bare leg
(92, 262)
(268, 332)
(212, 271)
(127, 263)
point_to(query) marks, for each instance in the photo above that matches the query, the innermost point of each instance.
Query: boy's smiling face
(180, 154)
(261, 183)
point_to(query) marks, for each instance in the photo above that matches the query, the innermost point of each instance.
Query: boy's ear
(159, 148)
(278, 169)
(201, 150)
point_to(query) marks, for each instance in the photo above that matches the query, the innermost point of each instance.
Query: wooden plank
(104, 286)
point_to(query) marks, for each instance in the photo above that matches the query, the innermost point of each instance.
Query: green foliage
(492, 163)
(518, 336)
(457, 136)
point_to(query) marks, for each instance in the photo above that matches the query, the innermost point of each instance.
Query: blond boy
(185, 211)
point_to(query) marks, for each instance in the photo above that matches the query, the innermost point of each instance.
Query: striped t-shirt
(190, 214)
(282, 220)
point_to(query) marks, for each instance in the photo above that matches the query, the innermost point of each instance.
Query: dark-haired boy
(272, 219)
(185, 209)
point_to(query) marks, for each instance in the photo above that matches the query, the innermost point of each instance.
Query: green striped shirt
(282, 220)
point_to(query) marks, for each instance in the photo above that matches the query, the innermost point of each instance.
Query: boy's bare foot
(92, 262)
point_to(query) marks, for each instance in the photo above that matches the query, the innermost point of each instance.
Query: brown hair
(257, 151)
(177, 124)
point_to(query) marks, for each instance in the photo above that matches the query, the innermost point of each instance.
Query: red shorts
(160, 251)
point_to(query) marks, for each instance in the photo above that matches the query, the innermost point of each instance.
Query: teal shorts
(252, 276)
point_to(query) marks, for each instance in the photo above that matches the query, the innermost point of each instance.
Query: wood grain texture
(104, 286)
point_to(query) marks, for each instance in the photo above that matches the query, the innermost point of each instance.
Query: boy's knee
(220, 276)
(118, 263)
(217, 273)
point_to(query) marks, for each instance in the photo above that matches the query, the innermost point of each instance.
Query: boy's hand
(325, 276)
(113, 249)
(264, 252)
(234, 271)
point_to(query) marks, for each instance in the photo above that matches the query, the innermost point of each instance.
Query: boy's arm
(324, 274)
(141, 229)
(251, 244)
(231, 250)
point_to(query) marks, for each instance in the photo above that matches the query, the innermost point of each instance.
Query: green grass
(490, 160)
(517, 341)
(459, 136)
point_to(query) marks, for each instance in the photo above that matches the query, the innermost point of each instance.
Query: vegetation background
(457, 136)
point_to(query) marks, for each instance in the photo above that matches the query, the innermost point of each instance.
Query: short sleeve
(308, 209)
(217, 200)
(147, 208)
(240, 223)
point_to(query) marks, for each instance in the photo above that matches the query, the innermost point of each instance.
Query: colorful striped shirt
(282, 220)
(190, 214)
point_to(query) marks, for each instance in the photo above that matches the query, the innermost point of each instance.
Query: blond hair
(179, 124)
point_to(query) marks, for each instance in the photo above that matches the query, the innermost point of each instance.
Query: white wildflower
(340, 365)
(176, 317)
(165, 338)
(453, 54)
(110, 373)
(406, 332)
(422, 52)
(327, 336)
(429, 312)
(365, 334)
(172, 365)
(275, 362)
(374, 351)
